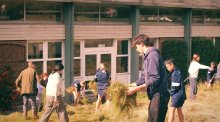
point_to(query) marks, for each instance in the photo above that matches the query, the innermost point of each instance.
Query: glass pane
(106, 59)
(51, 64)
(149, 14)
(122, 64)
(35, 50)
(171, 15)
(39, 67)
(117, 13)
(197, 16)
(54, 49)
(77, 67)
(11, 11)
(211, 16)
(140, 62)
(99, 43)
(38, 11)
(90, 65)
(76, 48)
(86, 12)
(122, 47)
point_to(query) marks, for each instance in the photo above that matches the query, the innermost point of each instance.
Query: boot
(25, 115)
(35, 116)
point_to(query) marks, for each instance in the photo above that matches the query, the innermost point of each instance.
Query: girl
(102, 78)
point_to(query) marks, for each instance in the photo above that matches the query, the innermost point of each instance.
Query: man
(27, 82)
(153, 77)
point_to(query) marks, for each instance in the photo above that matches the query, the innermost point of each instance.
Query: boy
(211, 74)
(177, 90)
(78, 86)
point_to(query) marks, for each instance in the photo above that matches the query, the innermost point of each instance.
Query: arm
(175, 82)
(203, 66)
(141, 80)
(18, 80)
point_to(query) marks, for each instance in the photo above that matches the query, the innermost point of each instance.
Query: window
(44, 53)
(122, 56)
(11, 11)
(99, 43)
(77, 59)
(37, 11)
(197, 16)
(161, 15)
(93, 12)
(90, 64)
(140, 62)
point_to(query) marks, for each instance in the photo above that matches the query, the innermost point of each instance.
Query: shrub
(177, 50)
(8, 91)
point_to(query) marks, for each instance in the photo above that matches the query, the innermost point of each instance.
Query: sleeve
(57, 84)
(153, 69)
(18, 80)
(175, 82)
(141, 80)
(203, 66)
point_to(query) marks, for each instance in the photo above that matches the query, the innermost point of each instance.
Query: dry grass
(206, 108)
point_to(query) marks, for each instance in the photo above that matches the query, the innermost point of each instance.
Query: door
(93, 60)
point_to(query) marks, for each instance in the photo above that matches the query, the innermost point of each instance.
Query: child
(211, 74)
(177, 90)
(77, 86)
(39, 96)
(102, 79)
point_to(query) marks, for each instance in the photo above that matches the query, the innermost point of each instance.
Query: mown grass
(206, 108)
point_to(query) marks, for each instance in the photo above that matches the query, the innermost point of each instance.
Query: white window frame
(45, 58)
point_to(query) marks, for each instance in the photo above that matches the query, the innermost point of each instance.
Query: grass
(206, 108)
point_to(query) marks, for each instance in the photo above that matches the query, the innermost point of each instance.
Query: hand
(131, 90)
(55, 103)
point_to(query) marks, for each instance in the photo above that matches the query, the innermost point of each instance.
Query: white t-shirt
(194, 68)
(55, 85)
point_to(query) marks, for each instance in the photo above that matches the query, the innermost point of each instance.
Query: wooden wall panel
(206, 31)
(102, 31)
(31, 32)
(162, 31)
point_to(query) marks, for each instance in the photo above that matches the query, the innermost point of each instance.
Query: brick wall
(13, 53)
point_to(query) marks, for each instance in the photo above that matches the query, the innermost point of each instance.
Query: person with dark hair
(211, 74)
(27, 82)
(55, 96)
(193, 74)
(102, 79)
(153, 77)
(177, 90)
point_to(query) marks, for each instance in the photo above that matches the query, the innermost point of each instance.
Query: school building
(83, 33)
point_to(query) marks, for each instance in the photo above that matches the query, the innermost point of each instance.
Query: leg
(154, 109)
(48, 110)
(193, 88)
(34, 106)
(171, 114)
(75, 95)
(25, 105)
(180, 114)
(61, 111)
(163, 106)
(98, 102)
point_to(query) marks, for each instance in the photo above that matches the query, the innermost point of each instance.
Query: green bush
(7, 88)
(177, 50)
(207, 53)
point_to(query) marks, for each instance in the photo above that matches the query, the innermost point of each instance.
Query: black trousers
(158, 107)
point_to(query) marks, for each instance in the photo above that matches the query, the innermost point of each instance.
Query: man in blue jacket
(153, 77)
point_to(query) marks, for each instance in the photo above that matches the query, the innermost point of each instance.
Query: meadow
(206, 108)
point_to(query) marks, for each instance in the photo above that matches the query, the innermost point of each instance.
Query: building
(83, 33)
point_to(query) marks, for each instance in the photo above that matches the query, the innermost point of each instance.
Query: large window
(30, 11)
(11, 11)
(205, 16)
(37, 11)
(162, 15)
(77, 59)
(45, 54)
(101, 13)
(122, 56)
(98, 43)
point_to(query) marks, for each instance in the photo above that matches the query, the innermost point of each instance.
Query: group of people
(154, 78)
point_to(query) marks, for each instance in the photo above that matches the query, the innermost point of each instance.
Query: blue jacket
(153, 74)
(177, 88)
(102, 78)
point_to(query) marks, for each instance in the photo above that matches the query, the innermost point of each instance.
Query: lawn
(206, 108)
